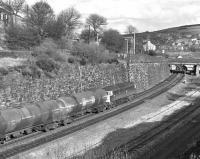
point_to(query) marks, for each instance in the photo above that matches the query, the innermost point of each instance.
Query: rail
(134, 146)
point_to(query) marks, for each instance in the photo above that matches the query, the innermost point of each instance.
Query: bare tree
(96, 21)
(71, 19)
(131, 29)
(39, 15)
(13, 6)
(16, 5)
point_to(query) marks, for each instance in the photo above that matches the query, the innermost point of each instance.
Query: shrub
(36, 73)
(21, 37)
(59, 58)
(71, 60)
(49, 74)
(47, 65)
(3, 71)
(152, 53)
(64, 43)
(90, 53)
(31, 71)
(112, 40)
(192, 49)
(113, 60)
(49, 49)
(83, 62)
(26, 72)
(42, 56)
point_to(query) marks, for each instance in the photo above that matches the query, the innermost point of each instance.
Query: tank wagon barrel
(47, 115)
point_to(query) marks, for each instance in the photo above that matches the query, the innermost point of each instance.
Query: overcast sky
(145, 15)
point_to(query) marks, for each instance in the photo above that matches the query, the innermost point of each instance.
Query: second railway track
(136, 147)
(26, 143)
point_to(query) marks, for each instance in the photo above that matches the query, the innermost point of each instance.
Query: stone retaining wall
(146, 75)
(16, 89)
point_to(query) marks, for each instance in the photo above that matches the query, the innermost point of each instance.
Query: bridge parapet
(184, 61)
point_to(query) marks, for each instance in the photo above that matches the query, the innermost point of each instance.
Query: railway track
(176, 144)
(27, 143)
(134, 146)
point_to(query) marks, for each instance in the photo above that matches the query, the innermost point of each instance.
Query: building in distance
(149, 46)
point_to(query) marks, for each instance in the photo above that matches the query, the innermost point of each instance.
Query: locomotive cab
(108, 96)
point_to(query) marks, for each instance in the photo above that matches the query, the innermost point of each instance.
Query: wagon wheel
(66, 122)
(28, 131)
(2, 141)
(45, 129)
(7, 138)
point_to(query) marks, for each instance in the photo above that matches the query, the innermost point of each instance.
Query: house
(179, 57)
(149, 46)
(188, 35)
(194, 39)
(6, 17)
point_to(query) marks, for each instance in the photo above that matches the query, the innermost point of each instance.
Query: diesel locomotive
(48, 115)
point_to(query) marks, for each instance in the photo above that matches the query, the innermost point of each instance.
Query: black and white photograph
(99, 79)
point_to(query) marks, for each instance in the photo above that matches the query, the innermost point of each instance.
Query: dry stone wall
(16, 89)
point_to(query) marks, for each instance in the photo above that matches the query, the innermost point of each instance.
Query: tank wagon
(48, 115)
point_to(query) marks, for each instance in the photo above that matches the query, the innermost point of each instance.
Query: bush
(192, 49)
(49, 49)
(21, 37)
(47, 65)
(71, 60)
(64, 43)
(152, 53)
(47, 46)
(3, 71)
(90, 53)
(83, 62)
(35, 72)
(113, 60)
(26, 72)
(112, 40)
(32, 71)
(49, 74)
(59, 58)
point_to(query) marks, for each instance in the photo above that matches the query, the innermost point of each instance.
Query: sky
(145, 15)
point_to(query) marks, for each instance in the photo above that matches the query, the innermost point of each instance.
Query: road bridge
(183, 64)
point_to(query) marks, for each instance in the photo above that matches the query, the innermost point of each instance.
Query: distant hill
(179, 38)
(176, 39)
(191, 29)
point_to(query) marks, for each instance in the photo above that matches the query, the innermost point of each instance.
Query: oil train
(47, 115)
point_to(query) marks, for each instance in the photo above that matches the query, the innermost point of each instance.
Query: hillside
(185, 29)
(177, 39)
